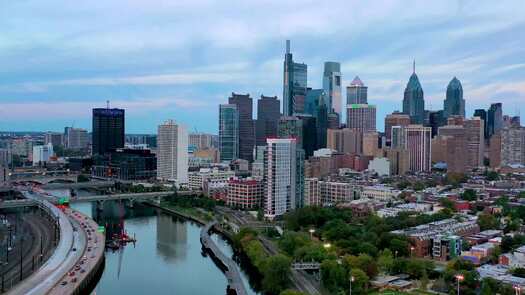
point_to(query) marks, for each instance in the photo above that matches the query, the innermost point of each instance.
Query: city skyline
(51, 79)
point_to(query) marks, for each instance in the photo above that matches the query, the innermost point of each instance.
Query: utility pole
(21, 254)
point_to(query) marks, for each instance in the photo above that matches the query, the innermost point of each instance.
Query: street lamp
(412, 250)
(327, 246)
(517, 288)
(351, 280)
(459, 278)
(311, 231)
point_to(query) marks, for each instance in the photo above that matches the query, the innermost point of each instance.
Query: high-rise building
(5, 157)
(42, 154)
(245, 193)
(357, 92)
(268, 114)
(309, 134)
(283, 177)
(54, 138)
(454, 103)
(361, 117)
(482, 114)
(474, 129)
(76, 138)
(416, 139)
(172, 152)
(201, 141)
(108, 130)
(348, 141)
(436, 119)
(495, 118)
(291, 127)
(228, 132)
(371, 144)
(332, 86)
(244, 105)
(317, 105)
(333, 121)
(294, 84)
(395, 119)
(450, 149)
(507, 147)
(413, 101)
(399, 161)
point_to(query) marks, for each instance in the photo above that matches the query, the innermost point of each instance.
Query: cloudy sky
(162, 59)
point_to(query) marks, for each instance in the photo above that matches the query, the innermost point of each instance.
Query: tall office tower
(76, 138)
(495, 118)
(399, 162)
(515, 121)
(244, 105)
(172, 152)
(283, 176)
(507, 147)
(413, 101)
(436, 119)
(294, 84)
(482, 114)
(474, 129)
(348, 141)
(5, 157)
(108, 130)
(450, 150)
(332, 86)
(361, 116)
(357, 92)
(268, 114)
(201, 141)
(317, 105)
(416, 140)
(454, 103)
(308, 134)
(291, 127)
(395, 119)
(42, 154)
(54, 138)
(371, 144)
(333, 121)
(228, 132)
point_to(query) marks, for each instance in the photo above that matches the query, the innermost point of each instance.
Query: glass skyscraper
(268, 114)
(294, 84)
(246, 127)
(228, 132)
(108, 130)
(357, 92)
(454, 104)
(495, 118)
(317, 105)
(413, 101)
(332, 86)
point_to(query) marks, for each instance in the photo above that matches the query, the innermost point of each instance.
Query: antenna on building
(107, 104)
(414, 66)
(287, 46)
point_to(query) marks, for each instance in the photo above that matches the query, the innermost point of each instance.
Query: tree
(276, 274)
(492, 176)
(469, 195)
(385, 261)
(360, 283)
(519, 272)
(291, 292)
(424, 281)
(291, 241)
(333, 275)
(415, 268)
(488, 221)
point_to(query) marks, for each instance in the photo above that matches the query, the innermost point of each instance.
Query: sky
(164, 59)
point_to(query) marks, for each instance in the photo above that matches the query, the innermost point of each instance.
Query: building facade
(357, 92)
(228, 132)
(413, 101)
(361, 117)
(454, 103)
(494, 118)
(395, 119)
(246, 136)
(42, 154)
(349, 141)
(332, 86)
(294, 84)
(76, 138)
(245, 194)
(108, 130)
(172, 152)
(268, 114)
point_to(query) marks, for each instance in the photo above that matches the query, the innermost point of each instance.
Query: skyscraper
(76, 138)
(361, 116)
(474, 129)
(413, 101)
(416, 139)
(454, 103)
(317, 105)
(283, 177)
(56, 139)
(395, 119)
(507, 147)
(348, 141)
(172, 152)
(244, 105)
(108, 130)
(228, 132)
(495, 118)
(436, 119)
(332, 86)
(268, 114)
(294, 84)
(357, 92)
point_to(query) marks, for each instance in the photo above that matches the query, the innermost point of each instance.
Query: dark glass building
(413, 101)
(494, 118)
(108, 130)
(317, 105)
(481, 113)
(294, 84)
(126, 164)
(436, 119)
(244, 105)
(268, 114)
(454, 104)
(357, 92)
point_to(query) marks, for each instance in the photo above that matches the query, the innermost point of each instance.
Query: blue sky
(162, 59)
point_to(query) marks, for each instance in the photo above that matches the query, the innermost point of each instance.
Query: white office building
(42, 153)
(172, 152)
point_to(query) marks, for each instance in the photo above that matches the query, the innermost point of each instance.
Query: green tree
(415, 268)
(385, 261)
(291, 292)
(360, 281)
(276, 273)
(492, 175)
(333, 275)
(488, 221)
(423, 281)
(291, 241)
(469, 195)
(519, 272)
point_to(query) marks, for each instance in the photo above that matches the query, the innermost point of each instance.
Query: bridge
(42, 177)
(306, 265)
(18, 203)
(235, 284)
(131, 196)
(79, 185)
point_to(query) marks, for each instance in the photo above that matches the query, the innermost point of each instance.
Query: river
(167, 257)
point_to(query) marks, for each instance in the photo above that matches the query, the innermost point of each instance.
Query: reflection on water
(167, 258)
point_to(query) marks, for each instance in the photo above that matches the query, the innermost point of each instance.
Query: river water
(167, 257)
